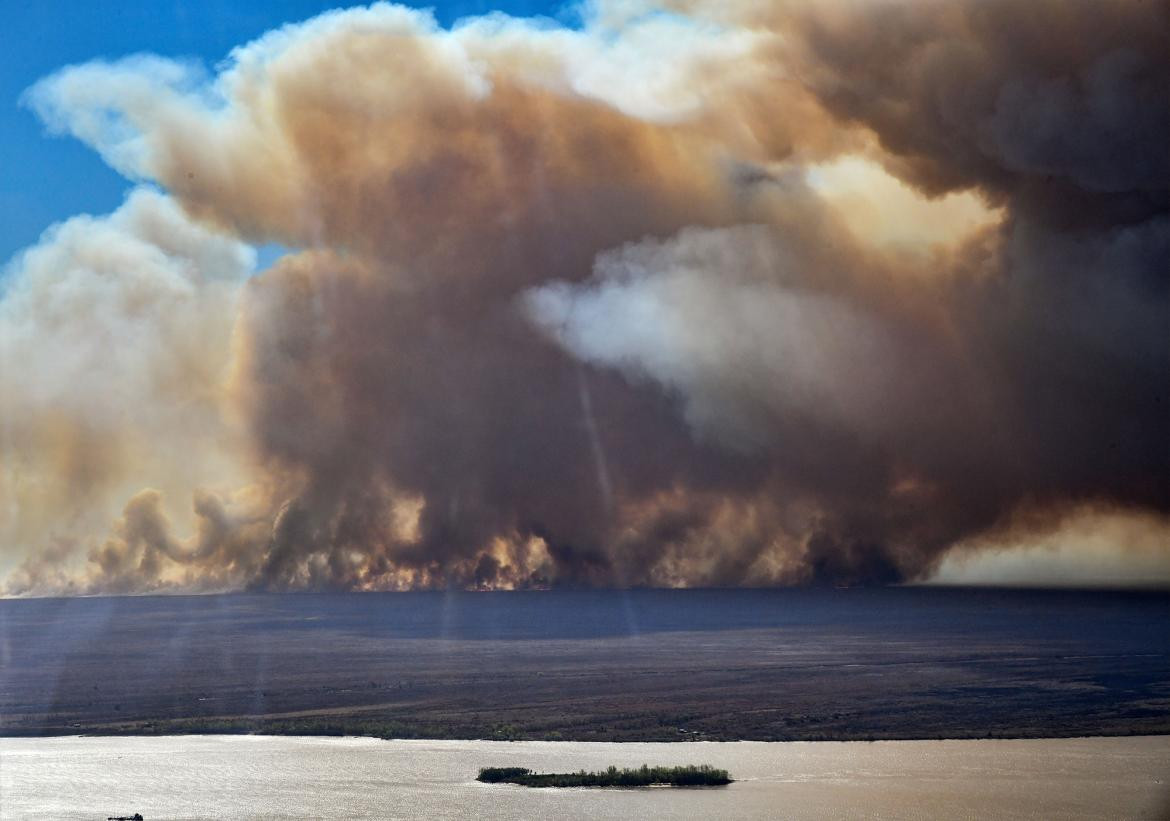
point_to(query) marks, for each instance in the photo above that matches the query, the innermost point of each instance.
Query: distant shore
(677, 666)
(401, 731)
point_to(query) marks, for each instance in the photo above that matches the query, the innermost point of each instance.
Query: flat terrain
(597, 665)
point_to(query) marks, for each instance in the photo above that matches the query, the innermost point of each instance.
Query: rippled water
(297, 778)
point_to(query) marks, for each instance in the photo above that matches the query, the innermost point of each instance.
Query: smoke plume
(770, 293)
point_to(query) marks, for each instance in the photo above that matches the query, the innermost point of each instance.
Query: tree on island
(644, 776)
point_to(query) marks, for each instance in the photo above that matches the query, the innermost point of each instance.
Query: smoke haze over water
(722, 294)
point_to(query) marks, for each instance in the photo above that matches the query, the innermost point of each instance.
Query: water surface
(205, 777)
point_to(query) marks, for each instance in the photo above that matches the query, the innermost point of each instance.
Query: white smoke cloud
(679, 312)
(115, 340)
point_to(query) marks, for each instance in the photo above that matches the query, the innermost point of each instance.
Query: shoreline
(269, 733)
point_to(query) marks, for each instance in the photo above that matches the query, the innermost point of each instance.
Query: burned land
(593, 665)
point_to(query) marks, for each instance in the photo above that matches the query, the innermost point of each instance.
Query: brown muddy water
(203, 777)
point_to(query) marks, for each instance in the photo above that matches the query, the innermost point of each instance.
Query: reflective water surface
(203, 777)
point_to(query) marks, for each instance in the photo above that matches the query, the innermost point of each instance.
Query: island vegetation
(644, 776)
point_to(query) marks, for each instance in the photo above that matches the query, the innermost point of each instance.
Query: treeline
(388, 729)
(316, 726)
(644, 776)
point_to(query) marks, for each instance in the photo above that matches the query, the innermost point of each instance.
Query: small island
(644, 776)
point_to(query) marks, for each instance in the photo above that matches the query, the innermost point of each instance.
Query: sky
(633, 294)
(45, 180)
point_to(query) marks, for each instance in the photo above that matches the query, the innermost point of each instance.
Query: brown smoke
(595, 307)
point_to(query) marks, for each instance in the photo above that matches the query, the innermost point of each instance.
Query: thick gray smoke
(610, 306)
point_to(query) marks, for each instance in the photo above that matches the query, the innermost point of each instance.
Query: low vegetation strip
(644, 776)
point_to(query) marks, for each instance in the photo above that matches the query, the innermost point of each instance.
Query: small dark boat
(135, 817)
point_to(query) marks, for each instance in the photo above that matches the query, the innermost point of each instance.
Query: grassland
(592, 666)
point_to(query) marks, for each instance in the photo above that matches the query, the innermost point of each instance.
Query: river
(204, 777)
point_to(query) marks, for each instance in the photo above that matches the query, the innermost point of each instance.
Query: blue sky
(44, 179)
